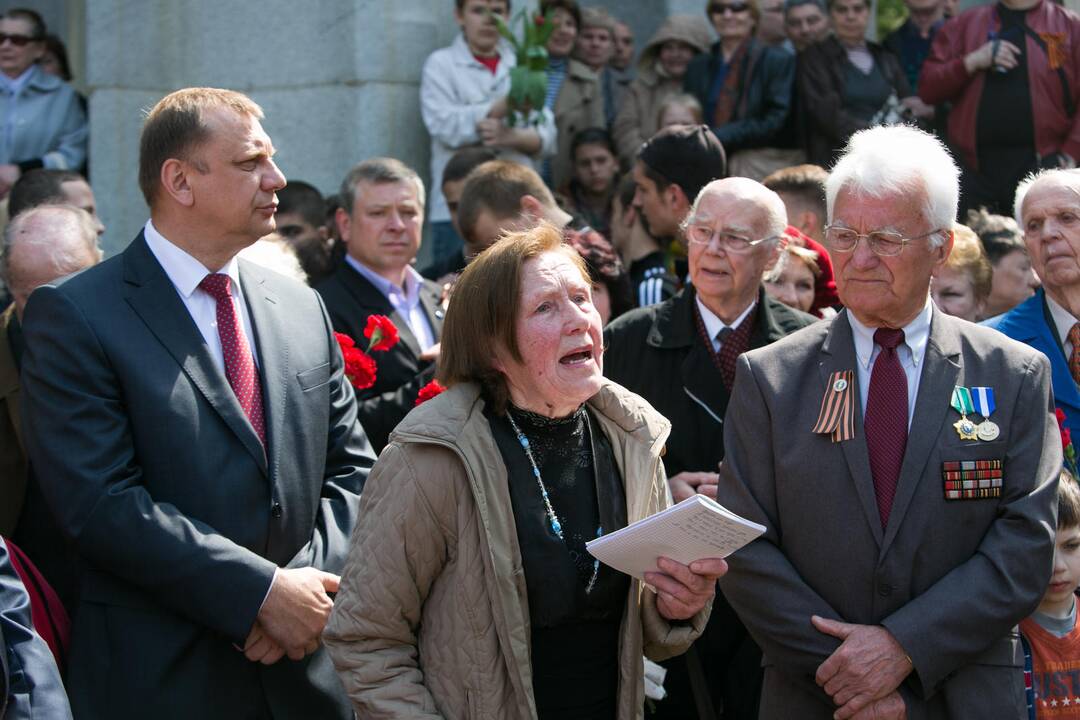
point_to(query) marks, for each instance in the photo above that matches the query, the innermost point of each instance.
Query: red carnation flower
(360, 369)
(539, 21)
(381, 333)
(429, 391)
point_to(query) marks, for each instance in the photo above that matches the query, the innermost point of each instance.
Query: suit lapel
(272, 341)
(838, 354)
(430, 300)
(700, 375)
(374, 302)
(938, 376)
(154, 299)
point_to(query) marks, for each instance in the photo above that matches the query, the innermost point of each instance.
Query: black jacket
(658, 353)
(766, 89)
(350, 299)
(825, 123)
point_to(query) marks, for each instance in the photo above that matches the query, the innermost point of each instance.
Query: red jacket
(944, 78)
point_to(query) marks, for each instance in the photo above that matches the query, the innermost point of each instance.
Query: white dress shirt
(1063, 322)
(713, 324)
(405, 300)
(911, 353)
(185, 273)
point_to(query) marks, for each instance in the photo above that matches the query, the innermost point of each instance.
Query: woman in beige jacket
(468, 592)
(661, 69)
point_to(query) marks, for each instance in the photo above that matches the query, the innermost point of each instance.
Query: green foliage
(528, 79)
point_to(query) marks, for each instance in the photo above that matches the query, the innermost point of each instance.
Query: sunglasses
(733, 8)
(17, 40)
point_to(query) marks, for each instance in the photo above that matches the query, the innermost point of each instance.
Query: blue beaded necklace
(553, 520)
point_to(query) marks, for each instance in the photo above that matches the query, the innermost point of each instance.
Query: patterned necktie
(734, 344)
(886, 420)
(1074, 358)
(239, 364)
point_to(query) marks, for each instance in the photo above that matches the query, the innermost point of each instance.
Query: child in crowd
(1050, 636)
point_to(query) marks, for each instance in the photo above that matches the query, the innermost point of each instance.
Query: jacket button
(276, 510)
(884, 589)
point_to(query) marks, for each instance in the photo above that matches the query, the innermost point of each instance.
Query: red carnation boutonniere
(1067, 448)
(429, 391)
(360, 369)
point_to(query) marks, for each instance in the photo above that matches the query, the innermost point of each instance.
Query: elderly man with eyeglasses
(680, 356)
(905, 463)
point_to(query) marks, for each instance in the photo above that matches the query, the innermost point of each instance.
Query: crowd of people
(262, 464)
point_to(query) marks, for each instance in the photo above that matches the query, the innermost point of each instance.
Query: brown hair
(176, 126)
(967, 256)
(806, 183)
(1068, 497)
(498, 187)
(999, 234)
(379, 171)
(483, 311)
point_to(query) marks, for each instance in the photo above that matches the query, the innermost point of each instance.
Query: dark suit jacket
(13, 471)
(1030, 323)
(151, 466)
(949, 579)
(351, 299)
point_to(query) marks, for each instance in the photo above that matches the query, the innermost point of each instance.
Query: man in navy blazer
(189, 419)
(1048, 210)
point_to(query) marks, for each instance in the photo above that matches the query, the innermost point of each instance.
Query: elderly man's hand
(683, 590)
(868, 665)
(260, 648)
(890, 707)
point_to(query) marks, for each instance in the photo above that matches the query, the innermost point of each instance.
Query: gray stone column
(338, 80)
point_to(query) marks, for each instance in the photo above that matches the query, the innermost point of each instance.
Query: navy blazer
(1027, 322)
(181, 518)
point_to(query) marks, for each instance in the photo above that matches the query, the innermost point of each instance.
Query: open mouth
(579, 357)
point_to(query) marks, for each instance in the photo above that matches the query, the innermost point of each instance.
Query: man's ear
(676, 199)
(344, 223)
(943, 250)
(531, 207)
(175, 181)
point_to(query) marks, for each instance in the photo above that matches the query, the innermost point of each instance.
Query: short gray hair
(898, 160)
(63, 249)
(750, 190)
(1070, 176)
(378, 171)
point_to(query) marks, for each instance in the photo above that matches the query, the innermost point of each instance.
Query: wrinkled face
(562, 39)
(849, 19)
(595, 168)
(1051, 215)
(383, 230)
(795, 285)
(720, 276)
(771, 25)
(675, 56)
(732, 19)
(15, 58)
(478, 26)
(954, 292)
(79, 194)
(559, 336)
(885, 291)
(678, 114)
(1066, 577)
(624, 46)
(595, 47)
(806, 25)
(1013, 282)
(233, 178)
(654, 207)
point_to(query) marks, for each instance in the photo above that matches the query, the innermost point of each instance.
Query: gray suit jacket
(152, 468)
(949, 579)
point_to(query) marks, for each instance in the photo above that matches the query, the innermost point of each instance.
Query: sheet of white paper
(696, 528)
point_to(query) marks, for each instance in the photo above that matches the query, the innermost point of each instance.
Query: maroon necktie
(734, 344)
(886, 419)
(239, 364)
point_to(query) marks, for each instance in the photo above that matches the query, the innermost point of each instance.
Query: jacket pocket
(313, 378)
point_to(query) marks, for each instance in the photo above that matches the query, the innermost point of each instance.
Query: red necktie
(239, 365)
(886, 420)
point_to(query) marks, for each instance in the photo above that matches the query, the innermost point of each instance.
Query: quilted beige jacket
(431, 620)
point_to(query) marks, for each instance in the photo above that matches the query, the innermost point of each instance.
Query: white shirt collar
(411, 289)
(1063, 319)
(16, 85)
(713, 324)
(916, 335)
(183, 270)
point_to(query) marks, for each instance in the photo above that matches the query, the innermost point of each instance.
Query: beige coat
(579, 106)
(432, 618)
(636, 121)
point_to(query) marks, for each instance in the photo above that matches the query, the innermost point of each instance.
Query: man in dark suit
(188, 417)
(381, 227)
(1048, 208)
(680, 356)
(905, 465)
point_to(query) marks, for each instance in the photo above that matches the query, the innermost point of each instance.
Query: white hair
(888, 161)
(1068, 177)
(750, 191)
(274, 253)
(64, 233)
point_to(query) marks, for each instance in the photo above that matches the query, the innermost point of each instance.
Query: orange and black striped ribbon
(837, 416)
